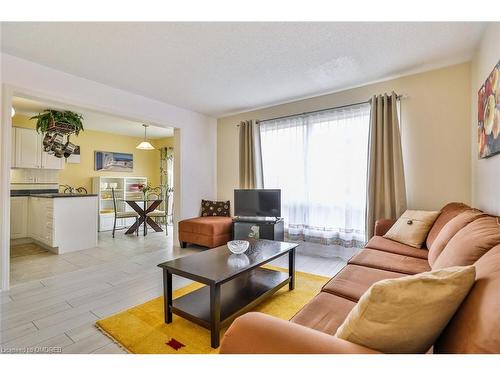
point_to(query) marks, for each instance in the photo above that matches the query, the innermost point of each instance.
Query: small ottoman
(209, 231)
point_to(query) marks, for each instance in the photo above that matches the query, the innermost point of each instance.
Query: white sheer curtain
(319, 162)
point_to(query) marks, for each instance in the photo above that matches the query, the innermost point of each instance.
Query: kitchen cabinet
(28, 151)
(18, 217)
(41, 220)
(63, 224)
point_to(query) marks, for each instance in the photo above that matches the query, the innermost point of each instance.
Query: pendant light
(145, 145)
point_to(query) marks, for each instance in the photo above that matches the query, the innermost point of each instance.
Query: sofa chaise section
(208, 231)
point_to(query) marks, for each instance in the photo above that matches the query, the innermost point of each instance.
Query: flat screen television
(257, 202)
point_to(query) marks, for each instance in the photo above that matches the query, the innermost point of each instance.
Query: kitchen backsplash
(34, 176)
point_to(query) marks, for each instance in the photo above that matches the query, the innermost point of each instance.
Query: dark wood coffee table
(234, 283)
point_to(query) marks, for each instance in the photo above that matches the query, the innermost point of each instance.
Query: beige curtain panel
(250, 156)
(386, 191)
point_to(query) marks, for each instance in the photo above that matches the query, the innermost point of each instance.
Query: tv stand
(268, 228)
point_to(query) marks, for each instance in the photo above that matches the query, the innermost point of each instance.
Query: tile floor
(55, 300)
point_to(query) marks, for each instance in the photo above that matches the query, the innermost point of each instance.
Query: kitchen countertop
(28, 192)
(61, 195)
(46, 193)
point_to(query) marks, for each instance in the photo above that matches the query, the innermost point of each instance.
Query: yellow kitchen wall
(146, 163)
(163, 142)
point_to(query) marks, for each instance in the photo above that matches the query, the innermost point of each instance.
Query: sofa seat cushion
(210, 225)
(449, 230)
(475, 327)
(470, 243)
(390, 246)
(448, 212)
(353, 281)
(324, 313)
(390, 262)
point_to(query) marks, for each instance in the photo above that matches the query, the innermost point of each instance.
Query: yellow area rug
(141, 329)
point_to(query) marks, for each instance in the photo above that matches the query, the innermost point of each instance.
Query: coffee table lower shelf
(237, 296)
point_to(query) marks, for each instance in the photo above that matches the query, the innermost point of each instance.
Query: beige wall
(485, 172)
(435, 134)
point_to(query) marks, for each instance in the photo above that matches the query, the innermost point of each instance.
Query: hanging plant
(65, 122)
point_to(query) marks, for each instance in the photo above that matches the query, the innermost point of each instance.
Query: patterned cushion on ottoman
(214, 208)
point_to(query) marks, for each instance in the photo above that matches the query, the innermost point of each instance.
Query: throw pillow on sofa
(214, 208)
(407, 315)
(412, 227)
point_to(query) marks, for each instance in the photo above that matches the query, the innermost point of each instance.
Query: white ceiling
(93, 120)
(221, 68)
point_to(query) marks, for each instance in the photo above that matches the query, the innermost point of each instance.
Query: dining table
(149, 206)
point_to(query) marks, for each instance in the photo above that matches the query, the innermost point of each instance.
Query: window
(319, 161)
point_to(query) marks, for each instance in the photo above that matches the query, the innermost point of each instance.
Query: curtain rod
(399, 97)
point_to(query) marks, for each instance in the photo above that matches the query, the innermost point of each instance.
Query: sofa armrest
(382, 226)
(257, 333)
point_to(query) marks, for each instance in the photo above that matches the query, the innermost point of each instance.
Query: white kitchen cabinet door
(34, 211)
(13, 148)
(28, 149)
(41, 220)
(51, 162)
(18, 217)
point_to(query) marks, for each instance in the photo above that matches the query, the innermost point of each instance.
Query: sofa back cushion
(470, 243)
(412, 227)
(448, 212)
(475, 327)
(407, 314)
(449, 230)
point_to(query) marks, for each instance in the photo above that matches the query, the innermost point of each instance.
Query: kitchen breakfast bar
(62, 223)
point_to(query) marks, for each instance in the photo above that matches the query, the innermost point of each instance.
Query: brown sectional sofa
(472, 238)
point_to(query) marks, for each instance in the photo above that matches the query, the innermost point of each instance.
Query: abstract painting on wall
(114, 161)
(488, 114)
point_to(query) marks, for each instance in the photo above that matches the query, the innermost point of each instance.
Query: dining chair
(123, 214)
(156, 214)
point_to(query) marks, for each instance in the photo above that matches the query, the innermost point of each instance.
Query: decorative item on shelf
(104, 185)
(238, 246)
(135, 187)
(56, 125)
(145, 145)
(113, 185)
